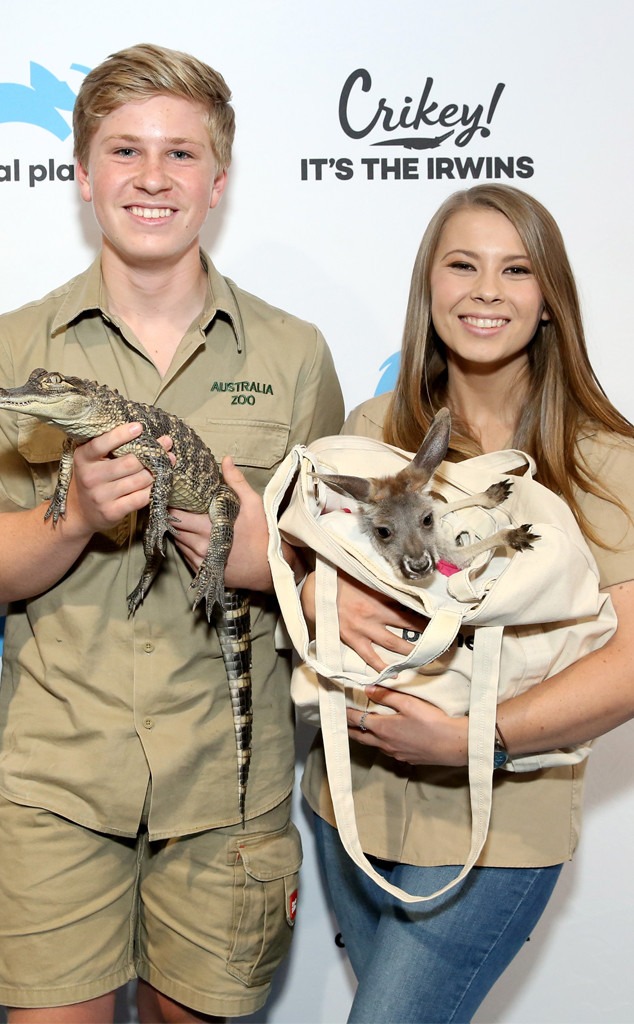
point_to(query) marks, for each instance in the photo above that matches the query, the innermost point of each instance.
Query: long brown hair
(564, 396)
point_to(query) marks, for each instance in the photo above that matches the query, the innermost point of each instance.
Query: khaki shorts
(205, 919)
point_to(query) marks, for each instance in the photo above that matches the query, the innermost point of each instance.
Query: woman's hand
(417, 732)
(364, 617)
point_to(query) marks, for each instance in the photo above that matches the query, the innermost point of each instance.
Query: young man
(121, 844)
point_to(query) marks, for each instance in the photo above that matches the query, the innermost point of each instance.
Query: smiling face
(152, 179)
(485, 301)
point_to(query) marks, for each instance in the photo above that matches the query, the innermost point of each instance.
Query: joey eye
(428, 520)
(383, 532)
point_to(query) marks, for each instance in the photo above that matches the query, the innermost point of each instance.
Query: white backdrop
(323, 216)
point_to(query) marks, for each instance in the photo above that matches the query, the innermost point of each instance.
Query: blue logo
(40, 102)
(389, 375)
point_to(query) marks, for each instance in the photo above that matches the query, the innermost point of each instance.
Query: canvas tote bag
(502, 624)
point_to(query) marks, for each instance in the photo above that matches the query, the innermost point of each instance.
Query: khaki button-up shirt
(92, 703)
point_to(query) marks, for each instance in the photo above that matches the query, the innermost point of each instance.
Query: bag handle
(472, 472)
(483, 704)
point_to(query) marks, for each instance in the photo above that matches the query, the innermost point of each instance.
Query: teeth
(149, 214)
(482, 322)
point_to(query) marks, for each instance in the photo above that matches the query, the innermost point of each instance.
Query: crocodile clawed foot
(56, 510)
(135, 599)
(212, 590)
(154, 540)
(171, 528)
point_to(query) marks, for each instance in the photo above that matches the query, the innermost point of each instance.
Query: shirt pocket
(40, 445)
(260, 444)
(266, 878)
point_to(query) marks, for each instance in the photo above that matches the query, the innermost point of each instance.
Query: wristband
(500, 751)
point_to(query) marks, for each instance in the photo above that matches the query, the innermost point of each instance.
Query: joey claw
(521, 539)
(499, 492)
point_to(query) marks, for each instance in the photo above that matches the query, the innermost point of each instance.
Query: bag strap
(472, 472)
(483, 704)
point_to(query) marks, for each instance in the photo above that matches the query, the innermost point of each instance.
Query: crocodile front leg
(233, 627)
(209, 580)
(57, 507)
(156, 460)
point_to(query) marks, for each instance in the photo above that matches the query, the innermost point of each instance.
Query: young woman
(494, 332)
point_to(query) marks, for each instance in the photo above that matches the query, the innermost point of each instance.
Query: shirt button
(148, 647)
(148, 723)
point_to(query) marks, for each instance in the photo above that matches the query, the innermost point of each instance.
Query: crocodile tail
(233, 626)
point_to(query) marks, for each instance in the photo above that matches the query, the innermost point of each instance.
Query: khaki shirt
(93, 703)
(421, 815)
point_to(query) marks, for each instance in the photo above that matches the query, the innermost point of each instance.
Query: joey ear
(434, 447)
(350, 486)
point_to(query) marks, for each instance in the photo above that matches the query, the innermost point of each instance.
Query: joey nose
(417, 568)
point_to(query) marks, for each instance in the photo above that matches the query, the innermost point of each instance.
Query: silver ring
(362, 725)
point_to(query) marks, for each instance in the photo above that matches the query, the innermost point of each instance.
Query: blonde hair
(143, 71)
(564, 396)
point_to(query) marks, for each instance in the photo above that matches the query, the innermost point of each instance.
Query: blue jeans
(434, 963)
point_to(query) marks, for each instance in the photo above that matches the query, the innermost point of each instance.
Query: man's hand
(35, 553)
(103, 489)
(247, 566)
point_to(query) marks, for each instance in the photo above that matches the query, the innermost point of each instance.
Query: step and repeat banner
(354, 121)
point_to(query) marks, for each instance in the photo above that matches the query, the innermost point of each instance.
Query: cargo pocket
(266, 873)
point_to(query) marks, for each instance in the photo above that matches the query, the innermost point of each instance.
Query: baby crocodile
(84, 409)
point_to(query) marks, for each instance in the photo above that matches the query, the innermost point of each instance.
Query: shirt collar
(221, 298)
(86, 295)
